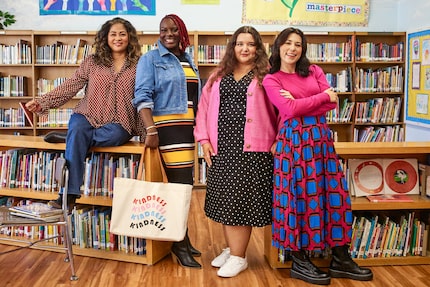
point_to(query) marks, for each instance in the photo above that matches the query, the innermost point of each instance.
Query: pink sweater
(260, 125)
(308, 93)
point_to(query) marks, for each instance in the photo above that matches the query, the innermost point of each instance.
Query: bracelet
(152, 134)
(150, 127)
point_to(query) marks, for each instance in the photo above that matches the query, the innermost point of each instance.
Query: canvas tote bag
(150, 210)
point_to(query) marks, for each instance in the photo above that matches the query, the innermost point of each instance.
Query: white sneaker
(233, 266)
(222, 258)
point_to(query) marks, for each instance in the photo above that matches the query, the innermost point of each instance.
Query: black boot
(194, 251)
(302, 268)
(181, 253)
(342, 266)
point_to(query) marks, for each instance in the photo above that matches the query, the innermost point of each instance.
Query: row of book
(12, 118)
(13, 86)
(394, 133)
(379, 110)
(387, 236)
(28, 168)
(45, 85)
(60, 53)
(102, 168)
(20, 53)
(341, 114)
(89, 228)
(389, 79)
(329, 52)
(55, 118)
(341, 81)
(212, 54)
(369, 51)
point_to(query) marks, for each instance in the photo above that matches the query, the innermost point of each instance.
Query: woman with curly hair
(105, 115)
(236, 126)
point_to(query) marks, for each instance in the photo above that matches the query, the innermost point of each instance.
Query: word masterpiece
(333, 8)
(148, 210)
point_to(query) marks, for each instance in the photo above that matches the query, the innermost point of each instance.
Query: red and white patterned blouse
(108, 95)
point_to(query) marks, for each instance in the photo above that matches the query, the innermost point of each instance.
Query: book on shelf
(37, 210)
(424, 174)
(27, 113)
(389, 198)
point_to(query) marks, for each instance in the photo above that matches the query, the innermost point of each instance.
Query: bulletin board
(418, 82)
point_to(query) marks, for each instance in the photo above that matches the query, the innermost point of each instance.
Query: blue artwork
(97, 7)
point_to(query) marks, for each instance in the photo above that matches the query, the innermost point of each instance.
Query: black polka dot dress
(239, 184)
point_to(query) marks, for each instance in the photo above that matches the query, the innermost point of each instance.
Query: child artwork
(97, 7)
(426, 52)
(422, 104)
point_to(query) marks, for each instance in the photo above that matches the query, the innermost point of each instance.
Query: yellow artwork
(418, 82)
(300, 12)
(201, 2)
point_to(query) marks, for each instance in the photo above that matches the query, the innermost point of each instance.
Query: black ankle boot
(181, 253)
(194, 251)
(342, 266)
(302, 268)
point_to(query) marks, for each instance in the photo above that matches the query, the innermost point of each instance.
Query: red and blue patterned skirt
(311, 203)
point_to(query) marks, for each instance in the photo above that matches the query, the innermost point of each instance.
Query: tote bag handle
(154, 156)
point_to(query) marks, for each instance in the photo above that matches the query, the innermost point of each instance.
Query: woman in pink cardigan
(236, 127)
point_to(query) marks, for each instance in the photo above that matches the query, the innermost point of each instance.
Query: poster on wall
(97, 7)
(418, 83)
(200, 2)
(306, 13)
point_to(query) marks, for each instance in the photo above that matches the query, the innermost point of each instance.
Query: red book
(28, 114)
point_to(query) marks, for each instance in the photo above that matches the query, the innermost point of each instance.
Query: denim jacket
(161, 84)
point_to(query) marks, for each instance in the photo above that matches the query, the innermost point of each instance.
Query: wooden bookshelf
(204, 43)
(349, 150)
(155, 250)
(344, 131)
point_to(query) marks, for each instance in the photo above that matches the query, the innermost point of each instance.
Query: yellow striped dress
(175, 132)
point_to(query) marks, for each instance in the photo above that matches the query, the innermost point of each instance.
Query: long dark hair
(302, 66)
(103, 53)
(229, 61)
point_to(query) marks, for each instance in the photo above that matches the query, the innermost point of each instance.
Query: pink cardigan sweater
(260, 125)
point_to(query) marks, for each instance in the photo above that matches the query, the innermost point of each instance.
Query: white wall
(224, 17)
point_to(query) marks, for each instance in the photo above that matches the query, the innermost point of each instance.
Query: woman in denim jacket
(166, 94)
(236, 126)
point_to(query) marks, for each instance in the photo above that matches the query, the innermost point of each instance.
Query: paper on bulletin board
(200, 2)
(306, 13)
(418, 79)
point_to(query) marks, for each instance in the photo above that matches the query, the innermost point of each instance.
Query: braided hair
(184, 40)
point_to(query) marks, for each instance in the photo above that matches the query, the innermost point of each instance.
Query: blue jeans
(81, 136)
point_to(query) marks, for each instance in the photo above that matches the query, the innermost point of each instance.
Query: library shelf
(421, 203)
(155, 250)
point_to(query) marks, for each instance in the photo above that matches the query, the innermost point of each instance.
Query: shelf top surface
(37, 142)
(379, 148)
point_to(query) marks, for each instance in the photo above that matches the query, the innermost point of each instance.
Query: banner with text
(306, 13)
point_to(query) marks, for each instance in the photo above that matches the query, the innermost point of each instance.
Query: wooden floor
(29, 267)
